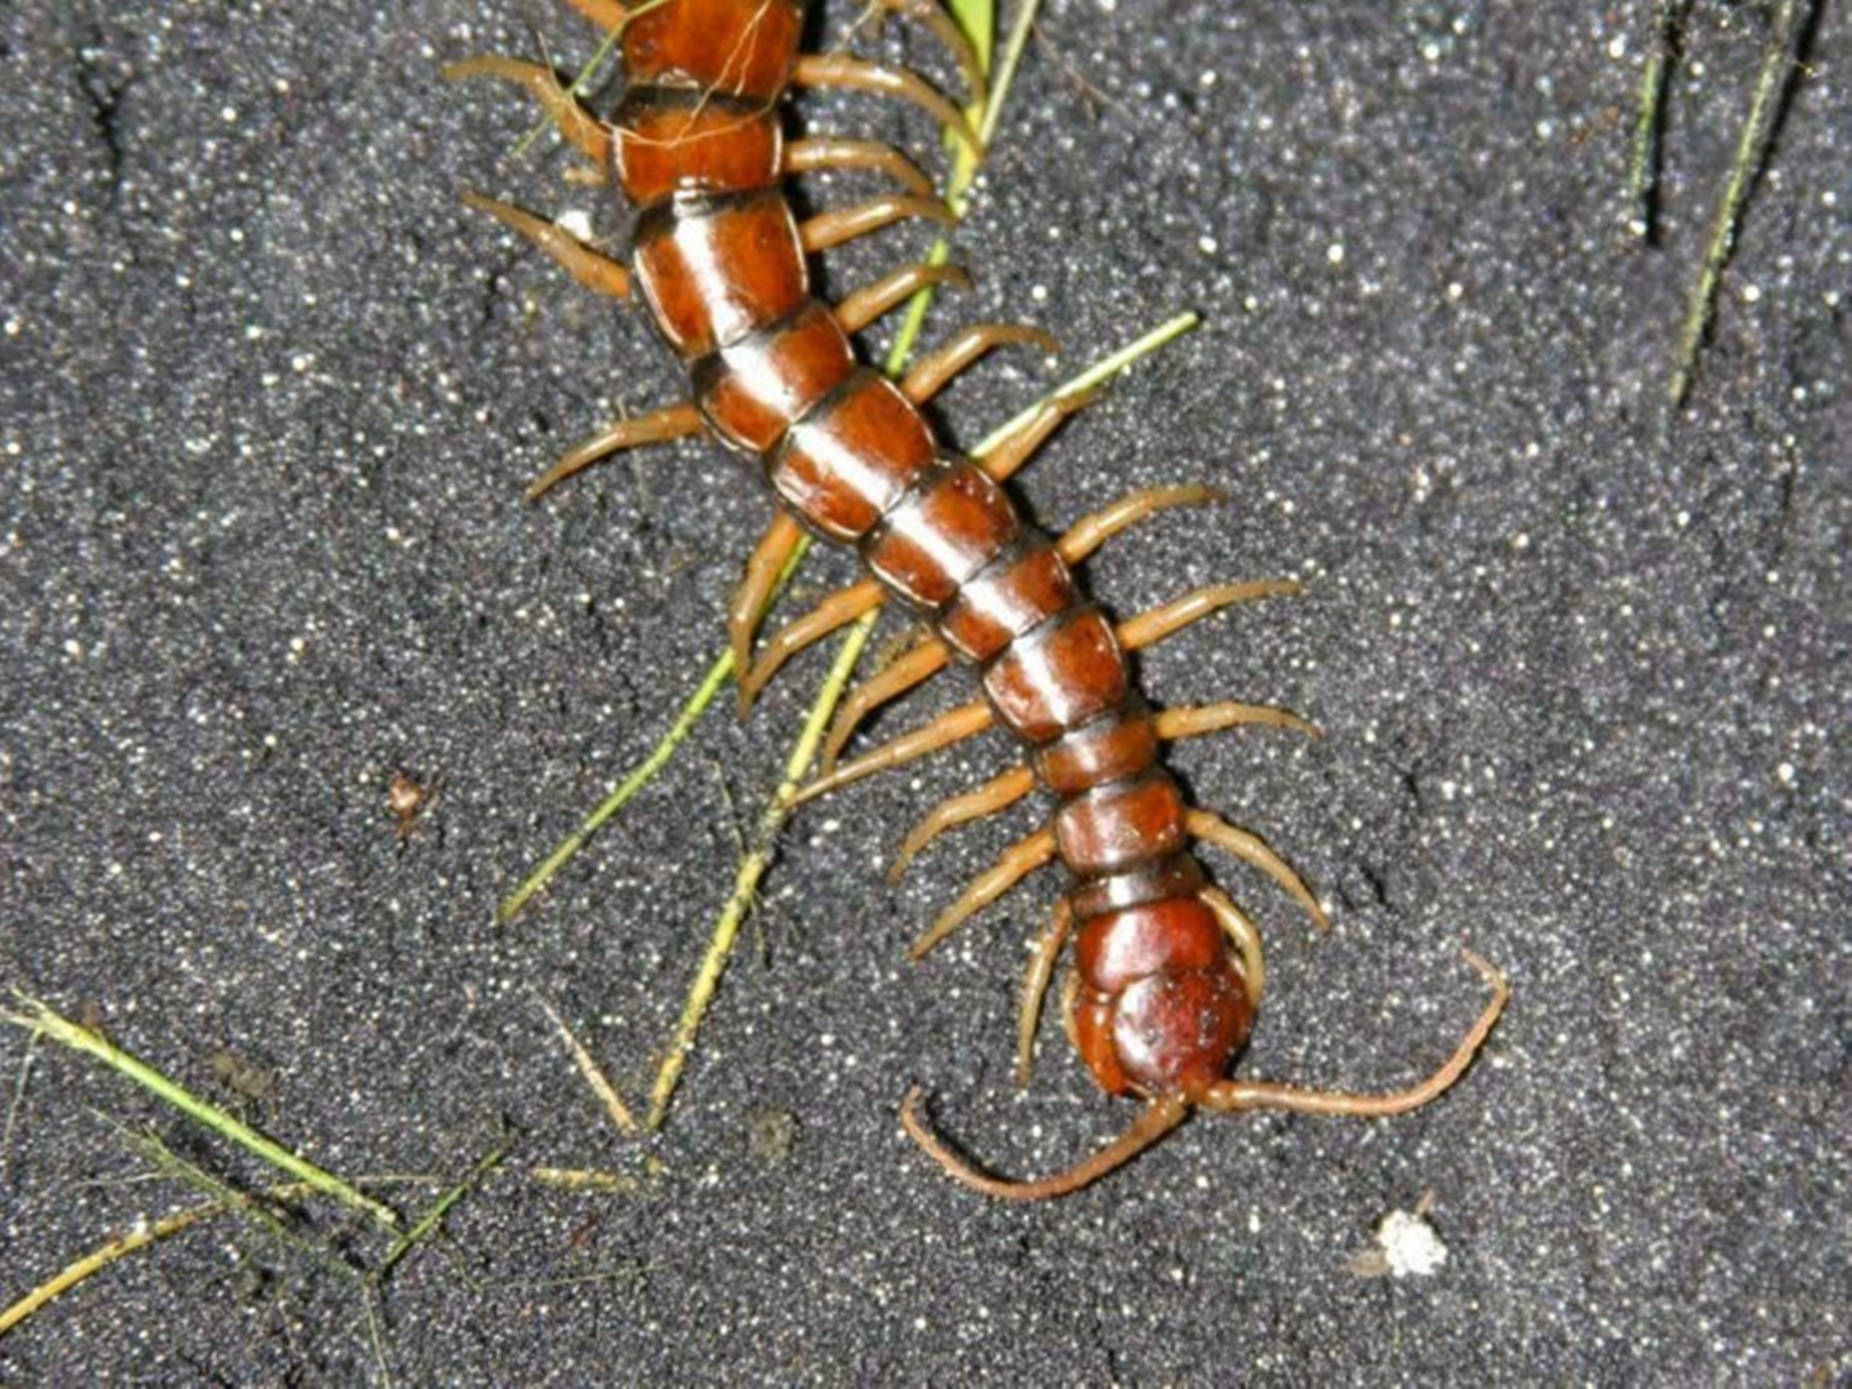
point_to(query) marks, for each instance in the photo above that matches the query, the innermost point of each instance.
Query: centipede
(1167, 972)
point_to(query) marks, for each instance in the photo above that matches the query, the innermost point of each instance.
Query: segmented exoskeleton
(1168, 971)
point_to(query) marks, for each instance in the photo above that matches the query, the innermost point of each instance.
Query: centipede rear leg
(935, 18)
(820, 153)
(1015, 863)
(579, 127)
(858, 74)
(1229, 1096)
(931, 656)
(1009, 786)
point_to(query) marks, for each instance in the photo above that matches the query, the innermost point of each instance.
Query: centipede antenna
(1230, 1095)
(1158, 1118)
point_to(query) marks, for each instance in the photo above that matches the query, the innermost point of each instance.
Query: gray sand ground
(268, 397)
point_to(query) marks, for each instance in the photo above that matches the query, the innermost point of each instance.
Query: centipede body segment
(1167, 972)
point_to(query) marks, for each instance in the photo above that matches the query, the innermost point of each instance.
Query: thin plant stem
(1751, 150)
(1643, 168)
(253, 1207)
(144, 1234)
(594, 1077)
(751, 868)
(583, 1179)
(964, 170)
(432, 1218)
(102, 1257)
(643, 773)
(42, 1019)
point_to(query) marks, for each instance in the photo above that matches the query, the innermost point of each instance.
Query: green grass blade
(751, 868)
(43, 1019)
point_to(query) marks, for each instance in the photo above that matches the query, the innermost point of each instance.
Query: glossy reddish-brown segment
(741, 144)
(740, 48)
(1161, 1007)
(1168, 970)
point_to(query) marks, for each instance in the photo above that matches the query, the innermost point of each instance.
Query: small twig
(376, 1335)
(639, 776)
(143, 1235)
(99, 1259)
(583, 1179)
(588, 1067)
(577, 88)
(231, 1198)
(964, 168)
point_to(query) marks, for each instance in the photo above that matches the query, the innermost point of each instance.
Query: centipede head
(1171, 1033)
(1159, 1006)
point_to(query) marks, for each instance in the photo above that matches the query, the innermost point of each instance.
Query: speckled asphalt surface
(269, 394)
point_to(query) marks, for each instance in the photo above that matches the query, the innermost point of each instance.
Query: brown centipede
(1168, 972)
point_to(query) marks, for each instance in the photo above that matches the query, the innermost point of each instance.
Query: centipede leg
(840, 70)
(930, 375)
(1229, 1095)
(1090, 532)
(593, 269)
(750, 599)
(1019, 445)
(832, 228)
(1172, 617)
(1156, 1119)
(1004, 789)
(606, 14)
(658, 426)
(946, 30)
(1015, 863)
(837, 610)
(1239, 927)
(930, 656)
(918, 664)
(1035, 986)
(1251, 849)
(819, 153)
(583, 131)
(954, 725)
(999, 793)
(1193, 722)
(861, 307)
